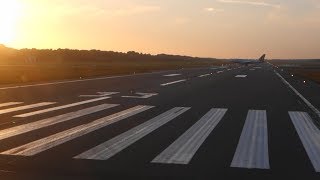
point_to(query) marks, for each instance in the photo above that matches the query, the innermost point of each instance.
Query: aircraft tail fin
(261, 59)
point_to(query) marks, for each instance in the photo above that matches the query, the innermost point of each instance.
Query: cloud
(213, 10)
(253, 3)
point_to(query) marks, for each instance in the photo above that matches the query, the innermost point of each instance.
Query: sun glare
(10, 11)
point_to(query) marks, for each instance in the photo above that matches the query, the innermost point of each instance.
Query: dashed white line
(219, 72)
(174, 82)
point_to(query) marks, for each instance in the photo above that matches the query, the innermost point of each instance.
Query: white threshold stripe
(241, 76)
(174, 82)
(220, 72)
(184, 148)
(142, 95)
(252, 149)
(309, 135)
(60, 107)
(308, 103)
(204, 75)
(20, 108)
(46, 143)
(10, 104)
(17, 130)
(100, 94)
(110, 148)
(171, 75)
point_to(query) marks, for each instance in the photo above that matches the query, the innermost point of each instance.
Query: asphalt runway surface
(247, 122)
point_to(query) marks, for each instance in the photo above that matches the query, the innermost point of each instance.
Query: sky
(203, 28)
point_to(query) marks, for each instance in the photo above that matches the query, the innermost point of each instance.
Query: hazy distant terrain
(30, 65)
(307, 68)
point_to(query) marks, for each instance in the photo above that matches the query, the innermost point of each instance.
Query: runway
(247, 122)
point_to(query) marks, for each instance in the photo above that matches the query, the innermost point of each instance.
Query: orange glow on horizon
(220, 29)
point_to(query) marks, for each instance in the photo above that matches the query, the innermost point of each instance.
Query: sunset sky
(206, 28)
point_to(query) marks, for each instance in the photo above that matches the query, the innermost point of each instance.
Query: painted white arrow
(100, 94)
(142, 95)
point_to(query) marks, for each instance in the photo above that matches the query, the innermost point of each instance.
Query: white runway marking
(60, 107)
(46, 143)
(10, 104)
(219, 72)
(171, 75)
(204, 75)
(174, 82)
(6, 133)
(313, 108)
(100, 94)
(108, 149)
(252, 69)
(183, 149)
(252, 149)
(4, 111)
(142, 95)
(241, 76)
(309, 135)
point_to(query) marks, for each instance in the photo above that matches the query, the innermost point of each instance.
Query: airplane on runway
(247, 61)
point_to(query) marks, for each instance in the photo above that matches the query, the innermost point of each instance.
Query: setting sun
(10, 11)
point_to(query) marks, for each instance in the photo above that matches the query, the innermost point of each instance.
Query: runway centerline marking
(60, 107)
(171, 75)
(204, 75)
(31, 106)
(174, 82)
(113, 146)
(17, 130)
(252, 149)
(241, 76)
(184, 148)
(308, 103)
(49, 142)
(309, 135)
(219, 72)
